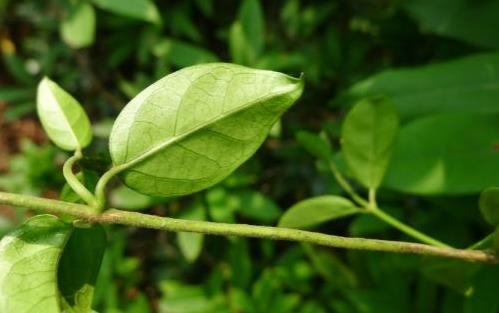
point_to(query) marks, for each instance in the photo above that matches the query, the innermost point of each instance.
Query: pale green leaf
(129, 199)
(191, 244)
(446, 154)
(467, 84)
(144, 10)
(62, 117)
(79, 266)
(368, 134)
(314, 211)
(28, 266)
(452, 18)
(78, 26)
(489, 205)
(194, 127)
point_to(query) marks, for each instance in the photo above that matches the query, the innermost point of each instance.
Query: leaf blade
(62, 117)
(368, 135)
(313, 211)
(208, 133)
(34, 250)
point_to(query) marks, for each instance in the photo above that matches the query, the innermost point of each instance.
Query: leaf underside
(28, 266)
(194, 127)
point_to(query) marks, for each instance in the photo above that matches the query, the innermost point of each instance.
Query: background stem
(114, 216)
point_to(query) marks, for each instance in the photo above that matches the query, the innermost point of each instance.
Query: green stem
(100, 188)
(487, 241)
(135, 219)
(73, 181)
(408, 230)
(346, 185)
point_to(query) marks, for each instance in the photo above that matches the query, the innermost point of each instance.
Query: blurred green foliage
(435, 60)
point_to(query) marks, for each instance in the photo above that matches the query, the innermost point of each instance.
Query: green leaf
(316, 145)
(191, 129)
(252, 23)
(191, 244)
(256, 205)
(314, 211)
(78, 27)
(489, 205)
(144, 10)
(79, 266)
(446, 154)
(28, 265)
(62, 117)
(454, 274)
(368, 134)
(452, 18)
(128, 199)
(182, 54)
(459, 85)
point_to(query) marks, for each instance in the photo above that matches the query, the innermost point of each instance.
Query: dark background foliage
(336, 44)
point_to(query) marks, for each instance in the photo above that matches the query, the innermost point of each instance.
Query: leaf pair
(48, 266)
(184, 133)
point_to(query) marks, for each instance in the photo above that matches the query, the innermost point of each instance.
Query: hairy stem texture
(114, 216)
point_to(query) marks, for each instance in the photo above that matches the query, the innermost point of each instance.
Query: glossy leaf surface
(28, 265)
(79, 266)
(62, 117)
(446, 154)
(314, 211)
(464, 84)
(78, 27)
(192, 128)
(368, 134)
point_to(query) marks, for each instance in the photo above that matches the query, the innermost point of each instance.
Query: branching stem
(114, 216)
(73, 181)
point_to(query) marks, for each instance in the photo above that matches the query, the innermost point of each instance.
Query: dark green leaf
(446, 154)
(484, 297)
(461, 85)
(252, 23)
(78, 27)
(28, 265)
(316, 145)
(452, 18)
(256, 205)
(182, 54)
(489, 205)
(62, 117)
(144, 10)
(129, 199)
(454, 274)
(313, 211)
(79, 266)
(194, 127)
(368, 134)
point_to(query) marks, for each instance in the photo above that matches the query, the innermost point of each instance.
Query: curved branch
(114, 216)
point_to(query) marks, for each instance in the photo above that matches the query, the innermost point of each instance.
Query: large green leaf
(62, 117)
(78, 27)
(314, 211)
(452, 18)
(144, 10)
(467, 84)
(28, 266)
(446, 154)
(489, 205)
(194, 127)
(79, 266)
(368, 134)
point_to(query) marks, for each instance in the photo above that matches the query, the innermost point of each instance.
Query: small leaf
(191, 244)
(368, 134)
(313, 211)
(79, 266)
(193, 128)
(62, 117)
(78, 27)
(489, 205)
(28, 265)
(316, 145)
(144, 10)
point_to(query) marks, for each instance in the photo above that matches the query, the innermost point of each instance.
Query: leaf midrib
(165, 144)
